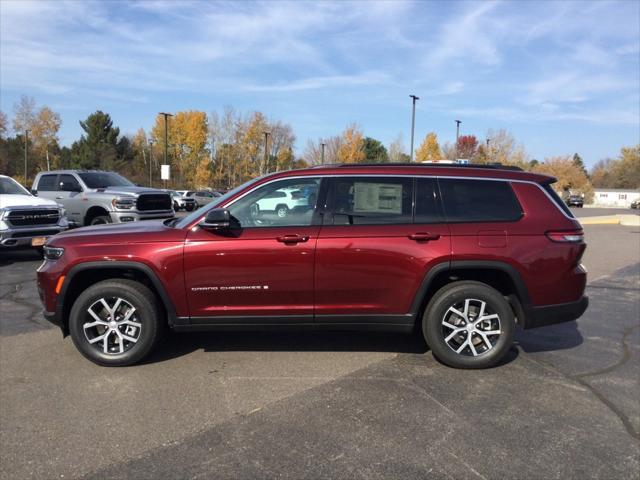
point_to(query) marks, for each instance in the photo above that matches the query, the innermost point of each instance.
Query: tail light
(566, 236)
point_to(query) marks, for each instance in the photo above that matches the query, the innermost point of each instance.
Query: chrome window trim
(422, 175)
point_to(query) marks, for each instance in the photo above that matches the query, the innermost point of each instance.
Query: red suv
(464, 253)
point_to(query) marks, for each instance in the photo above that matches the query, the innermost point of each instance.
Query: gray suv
(92, 197)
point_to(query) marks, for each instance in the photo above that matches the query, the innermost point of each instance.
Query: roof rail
(493, 166)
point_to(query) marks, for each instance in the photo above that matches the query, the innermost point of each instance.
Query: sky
(562, 77)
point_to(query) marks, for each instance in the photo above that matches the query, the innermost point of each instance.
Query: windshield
(104, 180)
(8, 186)
(213, 204)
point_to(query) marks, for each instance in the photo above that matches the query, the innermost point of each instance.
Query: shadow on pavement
(562, 336)
(10, 256)
(180, 344)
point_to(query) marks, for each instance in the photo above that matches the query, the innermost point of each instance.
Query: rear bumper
(552, 314)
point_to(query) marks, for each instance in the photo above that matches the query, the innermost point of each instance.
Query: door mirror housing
(217, 219)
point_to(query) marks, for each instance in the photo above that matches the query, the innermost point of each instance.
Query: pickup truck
(25, 220)
(93, 197)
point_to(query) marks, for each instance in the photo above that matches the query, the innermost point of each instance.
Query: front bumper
(21, 237)
(552, 314)
(135, 216)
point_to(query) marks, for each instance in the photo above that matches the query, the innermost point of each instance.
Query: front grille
(154, 201)
(25, 218)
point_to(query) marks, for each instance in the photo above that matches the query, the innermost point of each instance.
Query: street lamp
(413, 121)
(166, 137)
(150, 163)
(266, 153)
(26, 143)
(458, 122)
(322, 154)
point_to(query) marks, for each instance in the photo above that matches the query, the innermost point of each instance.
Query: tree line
(224, 149)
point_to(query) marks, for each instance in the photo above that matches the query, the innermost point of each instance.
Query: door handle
(59, 198)
(424, 236)
(292, 238)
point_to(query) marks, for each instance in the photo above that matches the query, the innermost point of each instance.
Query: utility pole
(322, 155)
(413, 121)
(26, 144)
(150, 163)
(266, 153)
(458, 122)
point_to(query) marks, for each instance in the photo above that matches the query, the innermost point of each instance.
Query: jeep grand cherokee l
(464, 254)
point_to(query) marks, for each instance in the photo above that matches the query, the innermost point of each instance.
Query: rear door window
(479, 201)
(428, 208)
(370, 201)
(47, 183)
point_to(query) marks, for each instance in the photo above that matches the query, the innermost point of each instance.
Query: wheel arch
(82, 276)
(500, 275)
(94, 211)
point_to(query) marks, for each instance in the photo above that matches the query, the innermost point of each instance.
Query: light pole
(488, 152)
(266, 153)
(26, 143)
(150, 163)
(322, 154)
(413, 121)
(458, 122)
(166, 136)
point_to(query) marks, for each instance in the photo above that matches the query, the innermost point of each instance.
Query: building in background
(615, 197)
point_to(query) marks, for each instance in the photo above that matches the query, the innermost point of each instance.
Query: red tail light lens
(567, 236)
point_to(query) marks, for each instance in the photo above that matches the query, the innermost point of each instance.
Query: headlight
(3, 225)
(53, 253)
(123, 203)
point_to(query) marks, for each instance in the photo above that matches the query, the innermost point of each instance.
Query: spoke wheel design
(112, 326)
(470, 327)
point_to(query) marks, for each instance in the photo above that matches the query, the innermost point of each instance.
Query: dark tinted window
(47, 183)
(8, 186)
(370, 201)
(67, 183)
(104, 180)
(427, 208)
(479, 201)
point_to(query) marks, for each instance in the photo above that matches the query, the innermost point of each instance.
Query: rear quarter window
(479, 201)
(557, 200)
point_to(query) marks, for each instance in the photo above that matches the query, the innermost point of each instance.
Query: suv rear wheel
(115, 322)
(468, 324)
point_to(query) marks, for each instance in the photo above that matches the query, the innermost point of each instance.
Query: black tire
(189, 207)
(473, 355)
(282, 211)
(100, 220)
(176, 207)
(147, 314)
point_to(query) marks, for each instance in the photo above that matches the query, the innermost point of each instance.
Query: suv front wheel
(468, 324)
(115, 322)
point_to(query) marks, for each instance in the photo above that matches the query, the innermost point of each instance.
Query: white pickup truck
(26, 220)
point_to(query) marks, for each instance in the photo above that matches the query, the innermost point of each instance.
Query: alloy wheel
(112, 325)
(470, 327)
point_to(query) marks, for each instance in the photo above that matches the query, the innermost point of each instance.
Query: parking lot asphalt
(564, 404)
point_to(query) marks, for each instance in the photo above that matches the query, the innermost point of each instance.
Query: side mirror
(216, 219)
